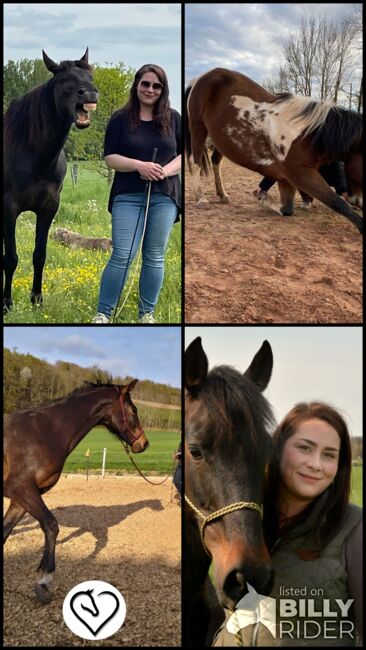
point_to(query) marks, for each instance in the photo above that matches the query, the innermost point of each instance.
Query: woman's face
(149, 89)
(309, 460)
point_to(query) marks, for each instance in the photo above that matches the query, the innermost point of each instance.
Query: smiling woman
(313, 533)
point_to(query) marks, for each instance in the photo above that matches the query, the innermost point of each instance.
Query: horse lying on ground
(35, 130)
(285, 137)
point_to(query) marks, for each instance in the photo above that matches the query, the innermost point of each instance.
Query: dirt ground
(118, 529)
(246, 264)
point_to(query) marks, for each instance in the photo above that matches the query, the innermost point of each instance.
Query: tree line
(30, 381)
(320, 61)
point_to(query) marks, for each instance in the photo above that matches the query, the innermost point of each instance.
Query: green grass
(158, 458)
(356, 485)
(72, 276)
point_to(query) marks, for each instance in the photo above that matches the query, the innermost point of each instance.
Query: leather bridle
(126, 426)
(220, 513)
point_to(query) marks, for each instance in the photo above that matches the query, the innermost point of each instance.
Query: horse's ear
(260, 369)
(196, 367)
(50, 65)
(85, 56)
(129, 387)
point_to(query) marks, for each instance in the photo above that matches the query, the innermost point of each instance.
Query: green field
(72, 275)
(356, 485)
(158, 458)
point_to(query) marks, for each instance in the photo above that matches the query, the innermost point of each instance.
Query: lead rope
(238, 635)
(139, 471)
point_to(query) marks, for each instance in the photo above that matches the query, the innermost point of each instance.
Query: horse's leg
(307, 200)
(44, 219)
(287, 194)
(217, 159)
(198, 140)
(310, 181)
(30, 499)
(11, 213)
(12, 516)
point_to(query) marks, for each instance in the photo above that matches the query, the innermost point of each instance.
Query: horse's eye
(195, 452)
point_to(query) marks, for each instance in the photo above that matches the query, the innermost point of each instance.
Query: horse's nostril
(235, 585)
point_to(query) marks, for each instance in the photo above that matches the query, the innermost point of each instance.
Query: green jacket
(306, 589)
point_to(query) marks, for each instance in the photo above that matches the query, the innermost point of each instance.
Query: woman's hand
(150, 171)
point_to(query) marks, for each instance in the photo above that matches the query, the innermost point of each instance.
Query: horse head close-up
(35, 130)
(227, 446)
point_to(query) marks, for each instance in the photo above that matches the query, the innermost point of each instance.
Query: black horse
(35, 130)
(37, 442)
(226, 449)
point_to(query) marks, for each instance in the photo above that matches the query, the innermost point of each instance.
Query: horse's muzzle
(87, 104)
(140, 445)
(235, 585)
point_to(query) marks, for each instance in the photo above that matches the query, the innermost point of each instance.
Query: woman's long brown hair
(333, 511)
(162, 113)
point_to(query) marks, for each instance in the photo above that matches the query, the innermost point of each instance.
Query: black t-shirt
(140, 145)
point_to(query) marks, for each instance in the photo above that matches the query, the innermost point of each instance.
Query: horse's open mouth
(82, 115)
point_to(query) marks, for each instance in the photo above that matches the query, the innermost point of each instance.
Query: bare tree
(300, 54)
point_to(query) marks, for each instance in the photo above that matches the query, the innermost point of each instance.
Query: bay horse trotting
(35, 130)
(227, 446)
(285, 137)
(37, 442)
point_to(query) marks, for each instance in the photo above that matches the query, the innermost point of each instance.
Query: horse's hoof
(305, 205)
(36, 299)
(203, 204)
(224, 199)
(43, 594)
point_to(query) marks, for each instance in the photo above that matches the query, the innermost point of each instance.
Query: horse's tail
(205, 161)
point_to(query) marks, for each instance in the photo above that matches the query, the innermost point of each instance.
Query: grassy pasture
(158, 458)
(72, 276)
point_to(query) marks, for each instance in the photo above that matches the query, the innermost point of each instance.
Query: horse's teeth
(89, 107)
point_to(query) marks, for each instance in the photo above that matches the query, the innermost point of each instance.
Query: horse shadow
(95, 520)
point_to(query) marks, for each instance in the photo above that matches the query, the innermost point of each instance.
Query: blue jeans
(126, 209)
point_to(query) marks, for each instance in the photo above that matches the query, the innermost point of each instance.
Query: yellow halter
(220, 513)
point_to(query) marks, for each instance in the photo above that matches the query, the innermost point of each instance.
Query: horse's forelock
(67, 65)
(226, 391)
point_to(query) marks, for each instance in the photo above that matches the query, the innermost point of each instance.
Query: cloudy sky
(321, 363)
(133, 34)
(143, 352)
(246, 37)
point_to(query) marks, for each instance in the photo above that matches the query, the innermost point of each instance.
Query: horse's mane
(29, 117)
(333, 130)
(228, 392)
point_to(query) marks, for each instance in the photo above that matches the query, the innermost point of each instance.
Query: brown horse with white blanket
(285, 137)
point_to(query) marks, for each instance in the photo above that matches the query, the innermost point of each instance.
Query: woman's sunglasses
(154, 86)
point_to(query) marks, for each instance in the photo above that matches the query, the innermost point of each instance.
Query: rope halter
(251, 505)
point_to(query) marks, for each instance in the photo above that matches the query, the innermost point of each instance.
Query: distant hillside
(29, 381)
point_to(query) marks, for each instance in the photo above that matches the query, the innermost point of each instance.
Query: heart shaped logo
(94, 610)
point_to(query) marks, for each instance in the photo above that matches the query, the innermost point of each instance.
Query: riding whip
(147, 193)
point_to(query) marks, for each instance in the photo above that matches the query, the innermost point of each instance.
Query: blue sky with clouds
(131, 33)
(310, 363)
(248, 37)
(143, 352)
